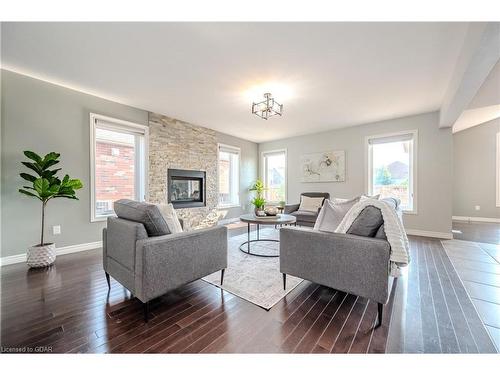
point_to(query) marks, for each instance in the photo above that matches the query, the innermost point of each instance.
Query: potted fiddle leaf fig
(44, 185)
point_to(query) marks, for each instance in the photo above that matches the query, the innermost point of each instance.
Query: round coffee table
(268, 220)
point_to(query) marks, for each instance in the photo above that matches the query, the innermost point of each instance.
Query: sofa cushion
(307, 216)
(146, 213)
(331, 214)
(170, 216)
(381, 233)
(312, 204)
(367, 223)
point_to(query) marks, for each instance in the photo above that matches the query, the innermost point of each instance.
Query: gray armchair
(353, 262)
(150, 266)
(305, 218)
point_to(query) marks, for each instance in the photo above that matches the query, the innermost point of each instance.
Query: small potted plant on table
(44, 187)
(259, 202)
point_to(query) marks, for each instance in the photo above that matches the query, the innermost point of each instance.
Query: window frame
(498, 170)
(118, 125)
(413, 167)
(238, 151)
(263, 170)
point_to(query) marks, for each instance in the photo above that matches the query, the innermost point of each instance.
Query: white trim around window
(236, 150)
(498, 169)
(263, 168)
(141, 164)
(413, 167)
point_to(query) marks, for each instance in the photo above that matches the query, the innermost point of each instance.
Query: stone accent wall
(181, 145)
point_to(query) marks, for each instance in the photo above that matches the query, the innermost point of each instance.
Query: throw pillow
(170, 216)
(367, 223)
(381, 233)
(312, 204)
(142, 212)
(331, 215)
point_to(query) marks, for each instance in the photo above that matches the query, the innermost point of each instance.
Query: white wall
(43, 117)
(474, 155)
(434, 170)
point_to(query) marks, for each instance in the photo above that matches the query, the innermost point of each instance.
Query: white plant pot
(41, 256)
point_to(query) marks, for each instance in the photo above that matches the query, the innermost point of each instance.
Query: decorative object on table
(323, 166)
(44, 187)
(259, 205)
(267, 108)
(271, 211)
(259, 201)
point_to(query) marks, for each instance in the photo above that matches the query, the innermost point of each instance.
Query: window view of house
(119, 167)
(391, 169)
(275, 175)
(114, 169)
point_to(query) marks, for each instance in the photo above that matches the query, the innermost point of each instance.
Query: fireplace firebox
(186, 188)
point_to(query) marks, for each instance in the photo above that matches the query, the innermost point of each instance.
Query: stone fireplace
(179, 145)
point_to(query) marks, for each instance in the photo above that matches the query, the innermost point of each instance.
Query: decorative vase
(271, 211)
(41, 256)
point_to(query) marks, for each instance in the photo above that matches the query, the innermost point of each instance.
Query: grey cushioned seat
(306, 216)
(150, 265)
(352, 263)
(145, 213)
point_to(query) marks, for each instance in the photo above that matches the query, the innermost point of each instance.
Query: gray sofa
(305, 218)
(348, 262)
(148, 262)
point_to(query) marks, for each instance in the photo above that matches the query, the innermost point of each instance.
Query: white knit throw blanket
(394, 230)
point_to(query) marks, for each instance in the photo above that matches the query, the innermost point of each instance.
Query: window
(274, 175)
(229, 176)
(498, 169)
(118, 163)
(392, 166)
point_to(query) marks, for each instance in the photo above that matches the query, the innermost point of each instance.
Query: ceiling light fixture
(267, 108)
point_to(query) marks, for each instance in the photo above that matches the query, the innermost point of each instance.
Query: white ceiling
(327, 75)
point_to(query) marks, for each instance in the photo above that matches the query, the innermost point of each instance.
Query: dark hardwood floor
(477, 232)
(68, 308)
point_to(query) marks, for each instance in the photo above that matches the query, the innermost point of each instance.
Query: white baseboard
(477, 219)
(426, 233)
(21, 258)
(228, 221)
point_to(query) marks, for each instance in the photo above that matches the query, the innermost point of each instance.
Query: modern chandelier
(267, 108)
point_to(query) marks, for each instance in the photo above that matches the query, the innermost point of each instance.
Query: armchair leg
(222, 276)
(145, 307)
(379, 316)
(107, 279)
(284, 281)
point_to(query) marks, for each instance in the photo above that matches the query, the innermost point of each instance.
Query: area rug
(255, 279)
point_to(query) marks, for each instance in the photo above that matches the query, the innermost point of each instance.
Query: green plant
(258, 202)
(282, 204)
(46, 185)
(258, 187)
